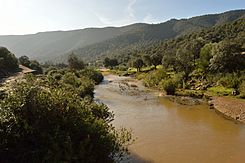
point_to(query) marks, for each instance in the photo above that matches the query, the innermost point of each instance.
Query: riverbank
(229, 107)
(166, 131)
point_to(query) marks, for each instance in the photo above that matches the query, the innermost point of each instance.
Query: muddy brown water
(169, 132)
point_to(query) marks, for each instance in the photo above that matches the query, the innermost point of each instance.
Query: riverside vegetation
(209, 62)
(53, 118)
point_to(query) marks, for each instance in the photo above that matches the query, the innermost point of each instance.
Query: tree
(110, 62)
(227, 57)
(169, 59)
(205, 56)
(156, 59)
(25, 61)
(35, 65)
(194, 46)
(138, 63)
(106, 62)
(75, 63)
(8, 60)
(146, 59)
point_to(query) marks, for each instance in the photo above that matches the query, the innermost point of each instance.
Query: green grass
(220, 90)
(190, 93)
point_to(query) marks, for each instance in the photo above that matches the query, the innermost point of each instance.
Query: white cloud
(130, 10)
(127, 18)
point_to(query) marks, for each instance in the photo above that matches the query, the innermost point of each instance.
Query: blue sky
(32, 16)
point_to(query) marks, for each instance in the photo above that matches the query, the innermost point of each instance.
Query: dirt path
(230, 107)
(6, 82)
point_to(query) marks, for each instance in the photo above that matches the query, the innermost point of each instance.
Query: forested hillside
(191, 44)
(211, 59)
(91, 43)
(151, 34)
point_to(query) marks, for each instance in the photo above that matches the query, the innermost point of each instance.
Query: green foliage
(122, 68)
(148, 39)
(155, 59)
(242, 89)
(191, 93)
(138, 63)
(32, 64)
(205, 56)
(110, 62)
(220, 90)
(82, 80)
(178, 79)
(92, 74)
(169, 61)
(230, 81)
(169, 86)
(45, 122)
(35, 65)
(227, 57)
(153, 78)
(25, 61)
(8, 61)
(147, 60)
(74, 63)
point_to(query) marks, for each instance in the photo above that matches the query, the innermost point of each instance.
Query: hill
(91, 43)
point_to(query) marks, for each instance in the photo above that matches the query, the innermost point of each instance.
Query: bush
(43, 122)
(219, 90)
(190, 93)
(242, 89)
(96, 76)
(230, 81)
(153, 79)
(8, 61)
(178, 80)
(168, 86)
(122, 68)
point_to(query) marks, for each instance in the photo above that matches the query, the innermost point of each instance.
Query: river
(169, 132)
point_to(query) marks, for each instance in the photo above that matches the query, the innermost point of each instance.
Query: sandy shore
(230, 107)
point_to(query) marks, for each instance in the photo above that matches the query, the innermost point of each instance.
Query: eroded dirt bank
(231, 108)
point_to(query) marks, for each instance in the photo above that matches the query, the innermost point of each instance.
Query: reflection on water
(168, 132)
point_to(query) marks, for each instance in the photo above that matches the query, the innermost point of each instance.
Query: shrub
(220, 90)
(96, 76)
(229, 81)
(122, 68)
(178, 80)
(191, 93)
(242, 89)
(42, 122)
(8, 61)
(153, 79)
(168, 86)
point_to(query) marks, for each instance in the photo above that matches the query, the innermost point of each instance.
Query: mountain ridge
(55, 45)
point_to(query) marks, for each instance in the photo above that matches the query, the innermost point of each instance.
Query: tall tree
(138, 63)
(110, 62)
(156, 59)
(227, 57)
(205, 56)
(75, 63)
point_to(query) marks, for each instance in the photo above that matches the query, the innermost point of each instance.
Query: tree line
(197, 56)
